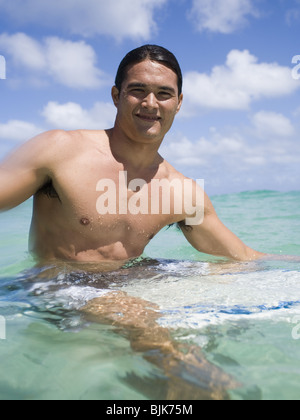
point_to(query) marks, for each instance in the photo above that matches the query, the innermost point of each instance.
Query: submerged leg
(189, 375)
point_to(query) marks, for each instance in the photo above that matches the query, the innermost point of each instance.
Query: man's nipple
(84, 221)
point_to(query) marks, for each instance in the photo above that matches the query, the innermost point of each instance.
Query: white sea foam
(189, 294)
(200, 299)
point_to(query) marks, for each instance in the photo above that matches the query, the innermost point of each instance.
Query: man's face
(148, 102)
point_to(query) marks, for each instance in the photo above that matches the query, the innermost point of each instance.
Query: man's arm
(24, 172)
(212, 237)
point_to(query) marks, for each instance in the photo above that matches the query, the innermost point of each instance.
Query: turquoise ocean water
(244, 316)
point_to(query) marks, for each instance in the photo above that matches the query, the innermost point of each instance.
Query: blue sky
(239, 126)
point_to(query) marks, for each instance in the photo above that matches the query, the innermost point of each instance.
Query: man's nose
(150, 101)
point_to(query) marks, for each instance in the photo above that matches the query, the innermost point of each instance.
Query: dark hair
(153, 53)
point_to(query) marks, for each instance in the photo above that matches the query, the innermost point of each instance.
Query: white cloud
(238, 83)
(272, 124)
(255, 160)
(16, 131)
(24, 50)
(204, 151)
(220, 15)
(72, 64)
(69, 116)
(72, 116)
(267, 144)
(117, 18)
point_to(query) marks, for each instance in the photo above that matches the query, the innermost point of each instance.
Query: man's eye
(165, 95)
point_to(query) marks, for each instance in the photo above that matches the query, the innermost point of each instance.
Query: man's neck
(138, 156)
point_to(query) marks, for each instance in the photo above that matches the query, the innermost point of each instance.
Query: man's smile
(148, 117)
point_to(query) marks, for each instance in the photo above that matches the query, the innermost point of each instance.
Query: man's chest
(112, 194)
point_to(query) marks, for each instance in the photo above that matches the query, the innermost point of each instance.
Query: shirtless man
(62, 170)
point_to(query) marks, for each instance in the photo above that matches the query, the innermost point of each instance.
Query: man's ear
(115, 94)
(180, 103)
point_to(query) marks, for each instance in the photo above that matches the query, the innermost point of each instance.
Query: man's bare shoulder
(61, 144)
(170, 172)
(47, 143)
(36, 152)
(64, 139)
(174, 174)
(52, 137)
